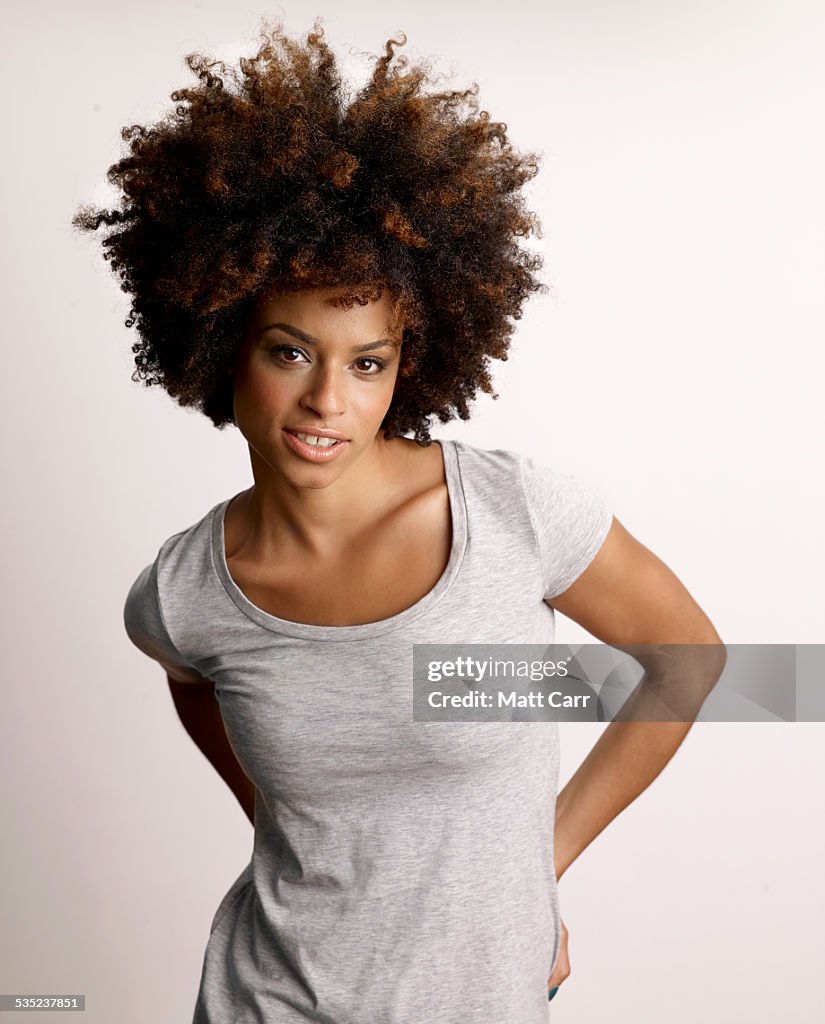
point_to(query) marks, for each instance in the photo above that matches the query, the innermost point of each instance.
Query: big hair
(269, 176)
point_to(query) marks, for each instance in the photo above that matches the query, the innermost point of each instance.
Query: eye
(282, 351)
(377, 365)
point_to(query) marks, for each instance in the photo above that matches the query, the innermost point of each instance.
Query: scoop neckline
(357, 631)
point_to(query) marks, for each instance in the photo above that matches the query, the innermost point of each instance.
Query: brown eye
(377, 365)
(280, 351)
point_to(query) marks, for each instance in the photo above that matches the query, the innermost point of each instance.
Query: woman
(329, 278)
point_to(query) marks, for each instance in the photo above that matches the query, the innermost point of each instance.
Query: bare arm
(626, 596)
(200, 714)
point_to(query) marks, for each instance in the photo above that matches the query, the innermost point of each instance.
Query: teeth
(317, 442)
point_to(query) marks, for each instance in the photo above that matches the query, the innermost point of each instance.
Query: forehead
(320, 309)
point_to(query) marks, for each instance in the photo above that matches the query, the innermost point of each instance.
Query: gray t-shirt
(402, 871)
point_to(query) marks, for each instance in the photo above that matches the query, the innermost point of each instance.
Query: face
(313, 383)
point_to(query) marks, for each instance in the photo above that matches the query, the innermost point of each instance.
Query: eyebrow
(300, 335)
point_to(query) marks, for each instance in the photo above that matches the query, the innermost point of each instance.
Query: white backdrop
(676, 368)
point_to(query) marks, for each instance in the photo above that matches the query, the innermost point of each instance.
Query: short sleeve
(145, 627)
(571, 522)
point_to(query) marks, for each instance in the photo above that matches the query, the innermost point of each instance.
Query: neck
(321, 519)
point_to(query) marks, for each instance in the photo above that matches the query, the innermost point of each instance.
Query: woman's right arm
(200, 714)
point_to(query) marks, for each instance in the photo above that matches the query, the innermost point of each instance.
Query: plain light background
(676, 368)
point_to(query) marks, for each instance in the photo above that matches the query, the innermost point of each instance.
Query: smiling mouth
(315, 440)
(317, 448)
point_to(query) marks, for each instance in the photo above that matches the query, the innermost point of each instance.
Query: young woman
(328, 278)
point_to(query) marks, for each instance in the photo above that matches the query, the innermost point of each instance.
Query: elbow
(714, 655)
(711, 638)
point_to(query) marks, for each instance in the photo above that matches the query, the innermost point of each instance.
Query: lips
(317, 432)
(323, 446)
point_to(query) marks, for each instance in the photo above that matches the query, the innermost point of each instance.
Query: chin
(296, 469)
(308, 474)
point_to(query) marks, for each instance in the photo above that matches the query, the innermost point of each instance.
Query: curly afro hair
(270, 177)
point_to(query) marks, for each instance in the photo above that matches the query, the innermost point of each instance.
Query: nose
(324, 393)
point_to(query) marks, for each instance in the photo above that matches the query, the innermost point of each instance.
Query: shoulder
(487, 468)
(149, 612)
(187, 552)
(513, 477)
(567, 519)
(539, 482)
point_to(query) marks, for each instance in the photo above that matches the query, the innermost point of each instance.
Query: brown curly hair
(280, 180)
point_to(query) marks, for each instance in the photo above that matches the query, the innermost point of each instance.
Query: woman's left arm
(626, 596)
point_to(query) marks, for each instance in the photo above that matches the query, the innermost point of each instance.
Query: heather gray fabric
(402, 872)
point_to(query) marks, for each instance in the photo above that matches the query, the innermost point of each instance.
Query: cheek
(264, 392)
(372, 402)
(262, 396)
